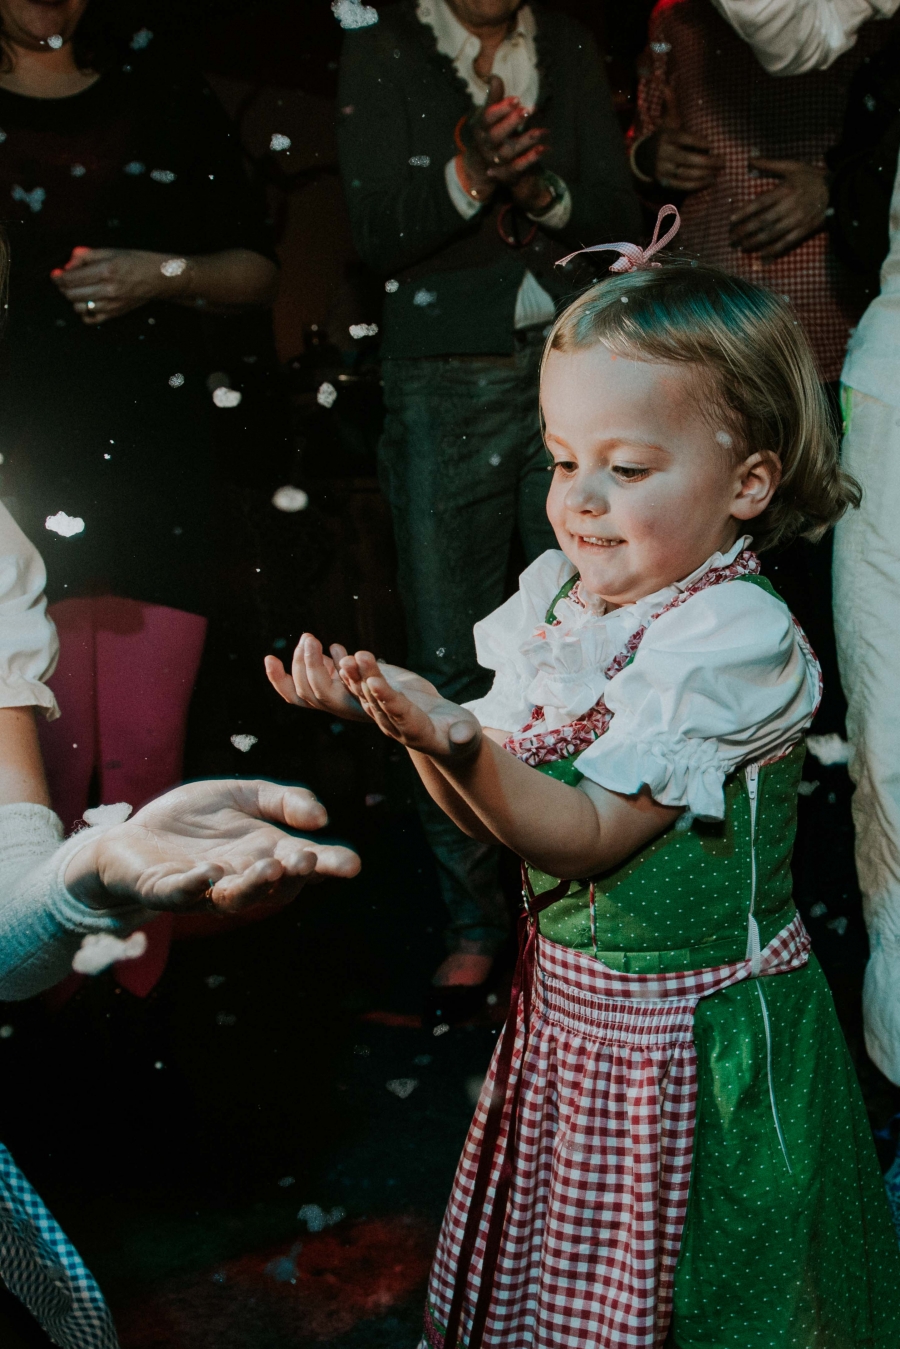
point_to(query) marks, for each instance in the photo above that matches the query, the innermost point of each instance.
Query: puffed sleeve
(28, 643)
(499, 639)
(722, 680)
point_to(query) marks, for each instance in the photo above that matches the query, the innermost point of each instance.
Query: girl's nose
(587, 497)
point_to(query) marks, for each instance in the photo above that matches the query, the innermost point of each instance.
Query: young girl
(670, 1140)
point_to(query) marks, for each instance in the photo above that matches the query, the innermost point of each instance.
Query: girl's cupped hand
(409, 709)
(314, 681)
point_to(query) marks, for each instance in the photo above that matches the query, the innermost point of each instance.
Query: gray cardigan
(400, 98)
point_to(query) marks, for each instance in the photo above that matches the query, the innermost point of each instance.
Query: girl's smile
(643, 492)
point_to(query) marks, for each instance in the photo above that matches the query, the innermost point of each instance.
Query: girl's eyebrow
(612, 442)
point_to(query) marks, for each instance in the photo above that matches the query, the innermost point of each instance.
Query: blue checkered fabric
(42, 1268)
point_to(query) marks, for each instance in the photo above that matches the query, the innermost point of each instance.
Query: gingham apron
(41, 1267)
(591, 1094)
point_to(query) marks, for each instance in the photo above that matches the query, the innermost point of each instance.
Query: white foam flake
(173, 266)
(358, 330)
(6, 1032)
(420, 161)
(441, 1029)
(354, 14)
(65, 525)
(279, 141)
(392, 286)
(424, 297)
(176, 381)
(828, 749)
(317, 1219)
(99, 950)
(142, 38)
(134, 168)
(77, 170)
(163, 175)
(402, 1086)
(326, 395)
(290, 499)
(226, 398)
(244, 742)
(725, 439)
(56, 41)
(34, 199)
(115, 813)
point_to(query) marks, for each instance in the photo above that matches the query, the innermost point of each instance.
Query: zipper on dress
(751, 775)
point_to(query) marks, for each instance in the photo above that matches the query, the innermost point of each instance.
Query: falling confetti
(374, 799)
(286, 1181)
(78, 170)
(724, 439)
(162, 175)
(6, 1032)
(362, 1051)
(828, 749)
(818, 910)
(279, 142)
(214, 980)
(56, 41)
(283, 1269)
(422, 1060)
(225, 1019)
(244, 742)
(226, 398)
(176, 381)
(99, 950)
(420, 161)
(391, 286)
(326, 395)
(63, 524)
(441, 1029)
(35, 198)
(316, 1219)
(838, 925)
(135, 168)
(495, 460)
(173, 266)
(115, 813)
(424, 297)
(363, 329)
(290, 499)
(142, 38)
(402, 1086)
(807, 788)
(354, 14)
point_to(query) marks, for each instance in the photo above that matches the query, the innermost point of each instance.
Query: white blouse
(723, 679)
(28, 642)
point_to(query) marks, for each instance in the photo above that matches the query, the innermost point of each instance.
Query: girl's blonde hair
(765, 385)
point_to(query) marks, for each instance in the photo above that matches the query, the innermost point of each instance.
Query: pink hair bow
(633, 256)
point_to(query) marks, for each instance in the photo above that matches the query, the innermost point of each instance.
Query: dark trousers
(463, 466)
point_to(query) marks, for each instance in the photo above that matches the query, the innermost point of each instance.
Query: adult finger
(494, 113)
(778, 247)
(510, 173)
(282, 683)
(762, 202)
(778, 215)
(328, 859)
(496, 90)
(494, 136)
(295, 807)
(515, 146)
(776, 167)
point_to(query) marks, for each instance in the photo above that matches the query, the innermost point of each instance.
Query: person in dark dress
(135, 235)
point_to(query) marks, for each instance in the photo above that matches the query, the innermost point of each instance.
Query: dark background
(178, 1138)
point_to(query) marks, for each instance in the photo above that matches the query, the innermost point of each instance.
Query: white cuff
(466, 205)
(677, 771)
(558, 216)
(78, 917)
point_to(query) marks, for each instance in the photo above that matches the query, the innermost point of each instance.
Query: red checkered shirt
(724, 95)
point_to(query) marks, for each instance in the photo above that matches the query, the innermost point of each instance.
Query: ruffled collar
(561, 666)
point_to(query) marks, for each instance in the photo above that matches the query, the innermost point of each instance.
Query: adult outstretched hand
(221, 842)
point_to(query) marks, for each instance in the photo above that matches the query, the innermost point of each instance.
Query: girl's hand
(314, 681)
(410, 710)
(224, 843)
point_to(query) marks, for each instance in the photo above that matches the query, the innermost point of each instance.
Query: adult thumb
(671, 118)
(496, 89)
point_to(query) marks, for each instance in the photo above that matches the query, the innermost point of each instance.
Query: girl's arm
(565, 831)
(444, 792)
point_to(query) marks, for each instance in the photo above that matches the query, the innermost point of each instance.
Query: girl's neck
(44, 74)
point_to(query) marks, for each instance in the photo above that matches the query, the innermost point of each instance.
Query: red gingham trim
(536, 747)
(603, 1159)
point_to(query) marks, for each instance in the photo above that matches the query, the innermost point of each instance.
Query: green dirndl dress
(788, 1241)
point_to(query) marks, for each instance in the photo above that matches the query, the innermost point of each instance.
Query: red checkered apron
(565, 1220)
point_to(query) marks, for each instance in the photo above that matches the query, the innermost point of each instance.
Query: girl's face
(643, 492)
(29, 23)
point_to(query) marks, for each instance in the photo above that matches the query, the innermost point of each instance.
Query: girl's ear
(756, 482)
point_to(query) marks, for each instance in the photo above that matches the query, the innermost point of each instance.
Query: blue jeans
(463, 466)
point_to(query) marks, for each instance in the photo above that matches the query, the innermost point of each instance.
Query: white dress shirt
(516, 64)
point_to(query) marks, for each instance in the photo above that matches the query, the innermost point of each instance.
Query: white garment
(28, 644)
(791, 37)
(719, 681)
(516, 64)
(41, 924)
(867, 625)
